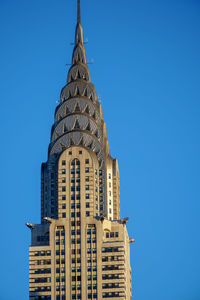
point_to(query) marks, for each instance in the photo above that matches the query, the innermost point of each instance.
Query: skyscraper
(81, 248)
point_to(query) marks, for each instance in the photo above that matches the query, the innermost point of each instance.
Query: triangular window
(81, 142)
(85, 92)
(96, 134)
(65, 128)
(62, 146)
(97, 153)
(71, 142)
(87, 110)
(79, 75)
(76, 126)
(67, 110)
(90, 145)
(94, 116)
(77, 108)
(70, 95)
(88, 127)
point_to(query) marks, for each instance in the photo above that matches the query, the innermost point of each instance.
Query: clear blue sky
(147, 71)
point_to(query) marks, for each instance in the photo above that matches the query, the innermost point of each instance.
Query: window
(112, 234)
(63, 180)
(87, 161)
(116, 234)
(87, 178)
(70, 152)
(109, 176)
(80, 152)
(63, 215)
(87, 205)
(87, 196)
(87, 213)
(87, 170)
(89, 269)
(63, 197)
(87, 187)
(63, 162)
(107, 234)
(63, 171)
(64, 206)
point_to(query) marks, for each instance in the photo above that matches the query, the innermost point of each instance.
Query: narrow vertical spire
(78, 11)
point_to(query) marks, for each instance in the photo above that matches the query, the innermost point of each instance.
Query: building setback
(81, 248)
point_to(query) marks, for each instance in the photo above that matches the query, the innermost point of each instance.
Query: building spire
(79, 29)
(78, 11)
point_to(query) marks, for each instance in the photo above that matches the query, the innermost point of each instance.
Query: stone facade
(81, 248)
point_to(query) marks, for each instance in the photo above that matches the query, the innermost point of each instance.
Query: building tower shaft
(81, 248)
